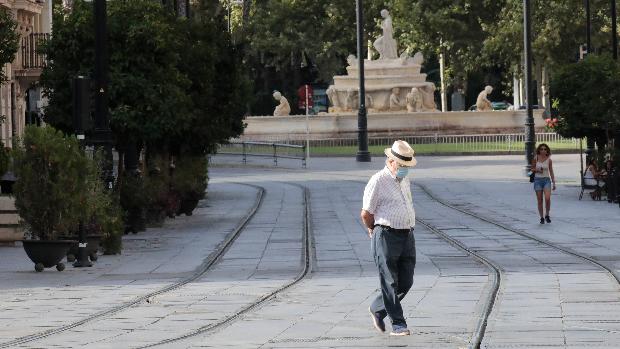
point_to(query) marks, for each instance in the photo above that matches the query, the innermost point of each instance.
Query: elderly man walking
(388, 214)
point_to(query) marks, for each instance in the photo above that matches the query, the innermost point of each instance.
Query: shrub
(190, 181)
(5, 159)
(133, 201)
(55, 182)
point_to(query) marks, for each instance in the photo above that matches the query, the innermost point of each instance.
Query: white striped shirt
(389, 200)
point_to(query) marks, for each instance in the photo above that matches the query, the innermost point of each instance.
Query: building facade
(20, 98)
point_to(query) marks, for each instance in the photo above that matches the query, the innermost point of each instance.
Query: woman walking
(544, 180)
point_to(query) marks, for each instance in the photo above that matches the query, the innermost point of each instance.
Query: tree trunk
(546, 102)
(444, 97)
(246, 7)
(538, 86)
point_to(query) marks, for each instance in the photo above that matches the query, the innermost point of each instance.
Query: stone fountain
(399, 100)
(392, 83)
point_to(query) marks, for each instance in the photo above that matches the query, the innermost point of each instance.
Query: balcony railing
(31, 53)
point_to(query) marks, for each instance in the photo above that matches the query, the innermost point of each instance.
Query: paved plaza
(159, 293)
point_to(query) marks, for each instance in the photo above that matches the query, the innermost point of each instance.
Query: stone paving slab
(331, 308)
(212, 298)
(566, 304)
(33, 301)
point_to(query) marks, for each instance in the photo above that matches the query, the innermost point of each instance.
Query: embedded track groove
(307, 268)
(201, 270)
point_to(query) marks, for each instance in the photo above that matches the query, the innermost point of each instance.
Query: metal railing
(264, 149)
(469, 143)
(31, 51)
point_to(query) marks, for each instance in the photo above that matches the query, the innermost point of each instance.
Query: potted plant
(190, 181)
(54, 184)
(105, 227)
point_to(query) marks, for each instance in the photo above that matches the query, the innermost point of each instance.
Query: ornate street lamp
(530, 141)
(362, 132)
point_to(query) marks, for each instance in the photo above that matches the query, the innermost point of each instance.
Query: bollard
(243, 145)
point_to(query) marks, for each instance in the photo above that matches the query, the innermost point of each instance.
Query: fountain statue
(282, 109)
(385, 44)
(388, 80)
(482, 102)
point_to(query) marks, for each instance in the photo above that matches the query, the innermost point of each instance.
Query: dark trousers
(394, 253)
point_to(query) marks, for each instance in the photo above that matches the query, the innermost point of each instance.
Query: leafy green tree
(146, 89)
(173, 83)
(456, 29)
(288, 43)
(218, 85)
(587, 98)
(9, 39)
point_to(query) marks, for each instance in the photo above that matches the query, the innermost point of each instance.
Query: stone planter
(47, 253)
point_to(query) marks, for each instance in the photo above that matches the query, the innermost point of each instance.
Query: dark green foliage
(157, 191)
(172, 81)
(133, 200)
(56, 183)
(190, 181)
(218, 87)
(587, 98)
(146, 90)
(109, 220)
(5, 159)
(175, 86)
(290, 43)
(9, 40)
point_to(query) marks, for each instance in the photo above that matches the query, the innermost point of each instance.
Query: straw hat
(402, 153)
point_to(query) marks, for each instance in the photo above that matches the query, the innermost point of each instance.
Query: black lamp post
(81, 113)
(362, 132)
(590, 140)
(530, 141)
(614, 30)
(102, 133)
(616, 160)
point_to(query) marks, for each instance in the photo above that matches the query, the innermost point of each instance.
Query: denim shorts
(542, 183)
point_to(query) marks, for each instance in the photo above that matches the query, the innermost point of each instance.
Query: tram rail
(201, 270)
(307, 267)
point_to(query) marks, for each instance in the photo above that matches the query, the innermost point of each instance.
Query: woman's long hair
(543, 145)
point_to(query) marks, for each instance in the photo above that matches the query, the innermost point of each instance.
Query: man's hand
(369, 221)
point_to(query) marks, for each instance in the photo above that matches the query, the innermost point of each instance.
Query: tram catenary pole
(530, 141)
(363, 155)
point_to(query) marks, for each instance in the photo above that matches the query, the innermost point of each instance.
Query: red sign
(301, 93)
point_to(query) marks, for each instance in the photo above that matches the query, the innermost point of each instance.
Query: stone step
(10, 230)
